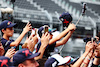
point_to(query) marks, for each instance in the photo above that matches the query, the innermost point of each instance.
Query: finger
(30, 37)
(12, 50)
(48, 36)
(88, 42)
(30, 28)
(35, 31)
(46, 33)
(43, 35)
(26, 38)
(28, 23)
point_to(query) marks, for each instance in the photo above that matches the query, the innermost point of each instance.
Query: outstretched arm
(89, 46)
(89, 56)
(62, 34)
(87, 59)
(65, 39)
(27, 28)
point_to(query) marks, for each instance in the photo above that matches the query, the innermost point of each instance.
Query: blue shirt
(6, 44)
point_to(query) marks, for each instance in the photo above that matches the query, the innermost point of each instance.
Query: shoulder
(3, 40)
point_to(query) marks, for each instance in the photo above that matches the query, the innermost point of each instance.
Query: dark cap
(5, 62)
(66, 18)
(6, 24)
(41, 30)
(23, 55)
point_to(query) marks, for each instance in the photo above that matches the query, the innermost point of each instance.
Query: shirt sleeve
(6, 44)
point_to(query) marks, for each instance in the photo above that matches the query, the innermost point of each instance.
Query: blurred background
(40, 12)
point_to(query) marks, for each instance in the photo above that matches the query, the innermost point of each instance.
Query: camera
(89, 39)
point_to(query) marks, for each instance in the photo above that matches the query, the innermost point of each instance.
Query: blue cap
(41, 30)
(66, 18)
(23, 55)
(6, 24)
(5, 62)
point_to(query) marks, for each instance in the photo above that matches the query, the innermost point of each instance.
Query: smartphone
(46, 29)
(35, 31)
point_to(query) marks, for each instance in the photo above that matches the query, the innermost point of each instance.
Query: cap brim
(52, 31)
(71, 62)
(60, 59)
(11, 25)
(33, 55)
(65, 60)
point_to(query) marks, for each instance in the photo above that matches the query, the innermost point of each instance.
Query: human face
(9, 31)
(31, 63)
(1, 49)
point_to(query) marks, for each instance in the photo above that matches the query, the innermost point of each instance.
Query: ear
(3, 30)
(21, 65)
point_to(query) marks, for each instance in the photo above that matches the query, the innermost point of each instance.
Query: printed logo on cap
(9, 23)
(4, 62)
(26, 52)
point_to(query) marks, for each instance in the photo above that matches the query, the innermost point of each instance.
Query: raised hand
(45, 39)
(10, 53)
(71, 26)
(89, 46)
(27, 28)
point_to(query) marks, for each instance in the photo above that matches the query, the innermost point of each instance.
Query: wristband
(88, 59)
(97, 57)
(83, 58)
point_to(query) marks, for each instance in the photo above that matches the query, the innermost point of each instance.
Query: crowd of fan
(12, 56)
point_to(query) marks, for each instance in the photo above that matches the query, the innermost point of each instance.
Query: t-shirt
(6, 44)
(48, 50)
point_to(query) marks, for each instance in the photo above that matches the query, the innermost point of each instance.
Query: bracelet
(88, 59)
(83, 58)
(97, 57)
(84, 62)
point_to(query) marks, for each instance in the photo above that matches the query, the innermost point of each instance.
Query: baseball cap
(6, 24)
(41, 30)
(23, 55)
(5, 62)
(66, 18)
(56, 60)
